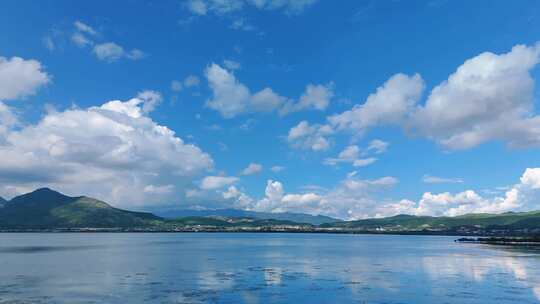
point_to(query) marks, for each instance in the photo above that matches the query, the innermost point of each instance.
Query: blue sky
(288, 84)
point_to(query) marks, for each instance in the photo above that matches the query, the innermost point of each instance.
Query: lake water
(261, 268)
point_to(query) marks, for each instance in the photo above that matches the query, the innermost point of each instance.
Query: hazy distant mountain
(45, 208)
(2, 202)
(224, 222)
(231, 213)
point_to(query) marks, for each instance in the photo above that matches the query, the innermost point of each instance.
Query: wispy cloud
(428, 179)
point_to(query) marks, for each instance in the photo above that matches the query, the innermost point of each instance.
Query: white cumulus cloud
(351, 154)
(489, 97)
(309, 137)
(231, 98)
(356, 198)
(316, 97)
(114, 152)
(21, 77)
(391, 104)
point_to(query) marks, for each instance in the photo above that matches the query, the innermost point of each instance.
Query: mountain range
(236, 213)
(485, 221)
(46, 209)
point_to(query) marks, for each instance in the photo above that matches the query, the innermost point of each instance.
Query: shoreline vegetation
(481, 237)
(213, 229)
(45, 210)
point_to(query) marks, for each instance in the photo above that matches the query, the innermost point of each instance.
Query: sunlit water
(261, 268)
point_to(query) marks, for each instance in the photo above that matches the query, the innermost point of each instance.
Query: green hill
(45, 208)
(509, 220)
(48, 209)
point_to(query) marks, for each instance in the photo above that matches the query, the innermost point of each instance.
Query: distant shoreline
(247, 230)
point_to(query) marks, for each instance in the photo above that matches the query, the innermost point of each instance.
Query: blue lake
(261, 268)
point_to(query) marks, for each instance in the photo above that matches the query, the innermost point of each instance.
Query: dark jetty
(533, 241)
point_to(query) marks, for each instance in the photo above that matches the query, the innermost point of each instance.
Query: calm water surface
(261, 268)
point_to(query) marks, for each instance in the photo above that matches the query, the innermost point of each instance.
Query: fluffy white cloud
(20, 78)
(351, 199)
(231, 97)
(355, 198)
(428, 179)
(531, 178)
(522, 196)
(241, 200)
(222, 7)
(350, 155)
(252, 168)
(316, 97)
(389, 105)
(216, 182)
(113, 152)
(144, 103)
(266, 100)
(466, 202)
(489, 97)
(8, 119)
(309, 137)
(110, 52)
